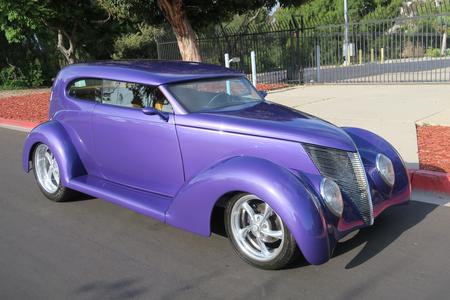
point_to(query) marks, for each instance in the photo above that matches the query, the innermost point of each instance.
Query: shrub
(436, 52)
(411, 51)
(12, 77)
(34, 74)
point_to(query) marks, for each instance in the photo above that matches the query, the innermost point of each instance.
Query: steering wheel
(216, 97)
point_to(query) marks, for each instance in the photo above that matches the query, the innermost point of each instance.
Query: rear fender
(299, 208)
(56, 138)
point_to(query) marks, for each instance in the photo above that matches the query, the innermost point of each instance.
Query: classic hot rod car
(178, 140)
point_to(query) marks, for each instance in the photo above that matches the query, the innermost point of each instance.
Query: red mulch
(31, 107)
(270, 86)
(434, 148)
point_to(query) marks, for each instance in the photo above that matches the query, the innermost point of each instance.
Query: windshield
(215, 94)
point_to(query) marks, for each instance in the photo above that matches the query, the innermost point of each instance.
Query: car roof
(152, 72)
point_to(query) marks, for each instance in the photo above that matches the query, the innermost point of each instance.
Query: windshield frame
(168, 86)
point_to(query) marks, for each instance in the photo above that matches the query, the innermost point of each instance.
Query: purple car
(191, 144)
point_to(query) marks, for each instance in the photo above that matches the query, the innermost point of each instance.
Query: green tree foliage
(186, 17)
(139, 44)
(20, 18)
(82, 27)
(23, 47)
(332, 11)
(37, 37)
(77, 27)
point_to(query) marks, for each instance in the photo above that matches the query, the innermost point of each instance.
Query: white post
(227, 65)
(318, 63)
(346, 42)
(227, 60)
(253, 59)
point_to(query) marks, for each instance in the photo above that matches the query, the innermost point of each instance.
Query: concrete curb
(18, 124)
(430, 181)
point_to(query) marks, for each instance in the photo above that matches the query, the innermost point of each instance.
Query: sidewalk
(388, 110)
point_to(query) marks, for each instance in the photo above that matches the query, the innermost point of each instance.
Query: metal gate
(386, 51)
(400, 50)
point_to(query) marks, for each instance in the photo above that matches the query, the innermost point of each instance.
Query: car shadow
(78, 197)
(388, 227)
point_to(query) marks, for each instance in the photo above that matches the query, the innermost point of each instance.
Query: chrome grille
(347, 170)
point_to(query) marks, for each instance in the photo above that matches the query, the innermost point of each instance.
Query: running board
(146, 203)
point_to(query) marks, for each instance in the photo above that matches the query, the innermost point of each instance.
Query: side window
(86, 89)
(133, 95)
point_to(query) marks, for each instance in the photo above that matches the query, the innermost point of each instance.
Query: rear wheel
(258, 234)
(46, 173)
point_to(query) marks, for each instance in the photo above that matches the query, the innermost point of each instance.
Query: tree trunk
(68, 53)
(174, 13)
(444, 43)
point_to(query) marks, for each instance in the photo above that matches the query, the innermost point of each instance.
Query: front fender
(281, 189)
(369, 145)
(53, 134)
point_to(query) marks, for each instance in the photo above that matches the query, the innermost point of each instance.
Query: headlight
(331, 193)
(386, 169)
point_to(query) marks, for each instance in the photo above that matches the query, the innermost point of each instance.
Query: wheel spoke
(49, 158)
(267, 212)
(47, 171)
(262, 246)
(55, 174)
(244, 231)
(277, 234)
(249, 211)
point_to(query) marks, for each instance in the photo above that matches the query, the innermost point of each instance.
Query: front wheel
(46, 172)
(258, 234)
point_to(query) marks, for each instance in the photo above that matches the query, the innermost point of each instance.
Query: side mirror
(153, 111)
(262, 93)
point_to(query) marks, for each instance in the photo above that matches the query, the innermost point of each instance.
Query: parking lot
(91, 249)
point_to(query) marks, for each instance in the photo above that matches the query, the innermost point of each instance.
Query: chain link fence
(401, 50)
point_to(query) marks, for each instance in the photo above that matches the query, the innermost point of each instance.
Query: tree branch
(104, 20)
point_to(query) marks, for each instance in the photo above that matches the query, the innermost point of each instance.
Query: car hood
(271, 120)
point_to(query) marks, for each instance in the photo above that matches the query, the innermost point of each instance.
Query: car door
(80, 97)
(132, 148)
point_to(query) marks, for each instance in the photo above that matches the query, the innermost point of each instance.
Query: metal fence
(397, 50)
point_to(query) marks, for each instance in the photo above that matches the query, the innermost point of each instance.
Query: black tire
(288, 254)
(61, 194)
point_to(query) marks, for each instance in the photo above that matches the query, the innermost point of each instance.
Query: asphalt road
(92, 249)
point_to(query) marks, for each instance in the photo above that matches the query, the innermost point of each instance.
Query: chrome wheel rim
(256, 228)
(47, 170)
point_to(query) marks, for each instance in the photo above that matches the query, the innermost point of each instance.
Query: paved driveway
(92, 249)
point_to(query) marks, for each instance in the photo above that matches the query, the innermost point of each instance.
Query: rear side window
(119, 93)
(134, 95)
(86, 89)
